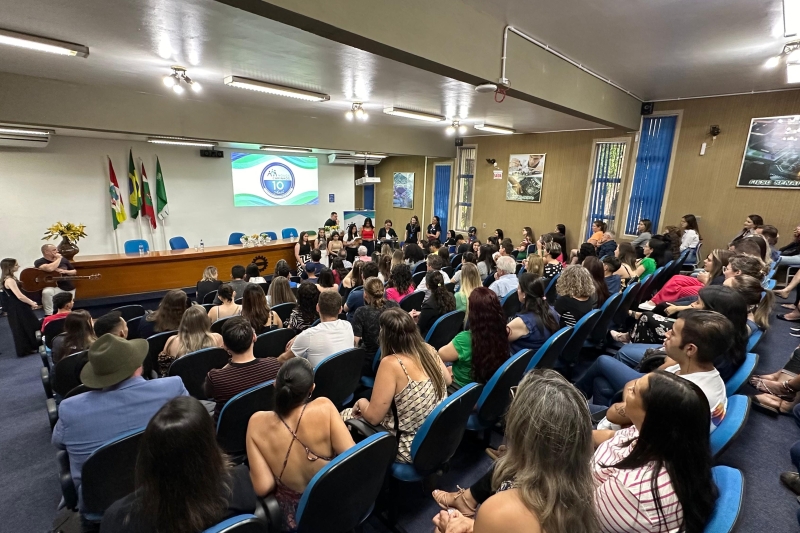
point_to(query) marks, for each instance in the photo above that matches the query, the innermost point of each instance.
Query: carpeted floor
(31, 493)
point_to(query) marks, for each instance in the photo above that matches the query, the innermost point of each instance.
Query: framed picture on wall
(772, 154)
(403, 190)
(525, 177)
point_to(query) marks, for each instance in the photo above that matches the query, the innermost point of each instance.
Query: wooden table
(172, 269)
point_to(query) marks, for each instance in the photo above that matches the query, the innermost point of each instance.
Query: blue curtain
(650, 177)
(605, 184)
(441, 196)
(369, 192)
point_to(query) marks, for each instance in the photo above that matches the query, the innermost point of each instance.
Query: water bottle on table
(202, 246)
(141, 249)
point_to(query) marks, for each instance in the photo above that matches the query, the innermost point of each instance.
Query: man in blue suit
(123, 401)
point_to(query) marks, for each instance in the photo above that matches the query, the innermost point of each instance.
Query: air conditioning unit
(23, 141)
(348, 159)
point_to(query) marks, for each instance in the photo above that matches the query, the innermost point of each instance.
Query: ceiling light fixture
(180, 141)
(179, 75)
(791, 18)
(357, 111)
(772, 62)
(494, 129)
(456, 126)
(289, 149)
(24, 131)
(370, 155)
(271, 88)
(408, 113)
(42, 44)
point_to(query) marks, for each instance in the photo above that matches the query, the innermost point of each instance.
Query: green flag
(162, 208)
(135, 198)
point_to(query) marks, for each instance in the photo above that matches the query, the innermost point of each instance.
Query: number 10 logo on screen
(277, 180)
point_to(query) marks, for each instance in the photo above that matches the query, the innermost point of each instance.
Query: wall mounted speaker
(211, 153)
(647, 108)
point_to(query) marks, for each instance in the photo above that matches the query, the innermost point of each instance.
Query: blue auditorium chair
(445, 329)
(730, 483)
(193, 368)
(243, 523)
(741, 375)
(235, 238)
(731, 425)
(272, 343)
(272, 235)
(235, 415)
(549, 352)
(337, 376)
(289, 233)
(132, 247)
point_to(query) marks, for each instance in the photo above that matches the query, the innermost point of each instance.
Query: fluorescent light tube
(791, 18)
(408, 113)
(494, 129)
(177, 141)
(23, 131)
(371, 156)
(42, 44)
(271, 88)
(793, 73)
(289, 149)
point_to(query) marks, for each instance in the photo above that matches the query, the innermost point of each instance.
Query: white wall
(68, 182)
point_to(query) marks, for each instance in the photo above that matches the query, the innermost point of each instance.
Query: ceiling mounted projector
(486, 88)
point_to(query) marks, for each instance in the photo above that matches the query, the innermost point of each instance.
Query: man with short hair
(343, 256)
(356, 297)
(111, 323)
(237, 282)
(52, 261)
(244, 370)
(313, 267)
(63, 303)
(462, 246)
(328, 337)
(506, 280)
(607, 245)
(434, 262)
(122, 402)
(333, 221)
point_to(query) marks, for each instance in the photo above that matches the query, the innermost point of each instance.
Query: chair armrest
(52, 412)
(68, 489)
(45, 374)
(360, 429)
(268, 510)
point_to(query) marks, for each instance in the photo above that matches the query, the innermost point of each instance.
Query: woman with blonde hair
(411, 375)
(470, 280)
(397, 258)
(257, 312)
(534, 264)
(280, 292)
(544, 480)
(194, 333)
(209, 283)
(577, 294)
(385, 267)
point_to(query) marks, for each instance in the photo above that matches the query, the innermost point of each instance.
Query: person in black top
(386, 234)
(434, 231)
(333, 221)
(180, 433)
(472, 234)
(52, 261)
(208, 284)
(412, 231)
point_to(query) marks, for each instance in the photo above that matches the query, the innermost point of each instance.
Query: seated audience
(411, 376)
(534, 264)
(779, 389)
(715, 268)
(413, 255)
(577, 294)
(328, 337)
(385, 267)
(611, 264)
(366, 321)
(560, 236)
(462, 245)
(470, 280)
(439, 303)
(227, 308)
(237, 279)
(355, 298)
(284, 452)
(280, 292)
(397, 258)
(168, 315)
(608, 245)
(435, 264)
(548, 459)
(243, 370)
(209, 283)
(113, 323)
(177, 435)
(445, 255)
(598, 229)
(597, 271)
(338, 269)
(486, 263)
(282, 270)
(759, 301)
(586, 250)
(362, 254)
(648, 264)
(326, 281)
(305, 312)
(528, 238)
(343, 253)
(790, 254)
(770, 235)
(122, 401)
(644, 232)
(479, 351)
(252, 274)
(627, 258)
(354, 278)
(78, 333)
(751, 224)
(194, 333)
(690, 232)
(313, 267)
(400, 283)
(536, 321)
(256, 311)
(506, 277)
(466, 257)
(552, 266)
(62, 303)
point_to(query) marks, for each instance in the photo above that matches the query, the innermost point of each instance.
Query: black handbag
(652, 360)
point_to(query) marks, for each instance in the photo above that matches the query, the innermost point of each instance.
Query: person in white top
(328, 337)
(434, 262)
(690, 232)
(506, 280)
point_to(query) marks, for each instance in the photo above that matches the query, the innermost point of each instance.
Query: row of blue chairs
(180, 243)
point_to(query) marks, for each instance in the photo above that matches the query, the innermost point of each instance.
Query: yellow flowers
(73, 232)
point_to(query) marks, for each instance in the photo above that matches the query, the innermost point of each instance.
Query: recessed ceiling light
(42, 44)
(793, 73)
(371, 156)
(772, 62)
(24, 131)
(408, 113)
(494, 129)
(179, 141)
(290, 149)
(271, 88)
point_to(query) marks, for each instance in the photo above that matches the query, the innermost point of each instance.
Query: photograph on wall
(525, 176)
(772, 154)
(403, 190)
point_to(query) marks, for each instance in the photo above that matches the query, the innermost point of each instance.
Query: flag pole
(141, 202)
(116, 240)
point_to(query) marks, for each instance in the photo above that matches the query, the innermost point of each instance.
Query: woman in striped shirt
(655, 476)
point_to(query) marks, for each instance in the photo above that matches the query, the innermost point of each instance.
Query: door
(441, 195)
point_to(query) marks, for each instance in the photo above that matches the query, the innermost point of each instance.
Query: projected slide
(272, 180)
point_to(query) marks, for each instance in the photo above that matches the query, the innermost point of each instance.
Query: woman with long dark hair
(466, 257)
(751, 224)
(644, 232)
(648, 264)
(368, 235)
(351, 242)
(486, 264)
(228, 307)
(528, 238)
(338, 269)
(257, 312)
(179, 455)
(478, 352)
(400, 283)
(326, 281)
(252, 274)
(656, 474)
(302, 250)
(79, 335)
(680, 288)
(353, 278)
(536, 321)
(434, 231)
(385, 267)
(366, 321)
(168, 315)
(440, 302)
(288, 445)
(627, 258)
(412, 231)
(595, 268)
(305, 312)
(690, 232)
(21, 319)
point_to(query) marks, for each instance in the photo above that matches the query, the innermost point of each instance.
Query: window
(652, 168)
(465, 185)
(609, 161)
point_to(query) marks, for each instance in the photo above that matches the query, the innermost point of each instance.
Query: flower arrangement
(255, 239)
(70, 231)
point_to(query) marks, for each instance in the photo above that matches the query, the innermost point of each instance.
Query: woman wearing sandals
(779, 389)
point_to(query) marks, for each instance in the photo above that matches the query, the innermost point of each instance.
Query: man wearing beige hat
(122, 402)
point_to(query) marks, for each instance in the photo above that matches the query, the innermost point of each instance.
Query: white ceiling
(660, 49)
(133, 43)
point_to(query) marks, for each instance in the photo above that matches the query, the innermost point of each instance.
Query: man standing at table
(51, 261)
(333, 221)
